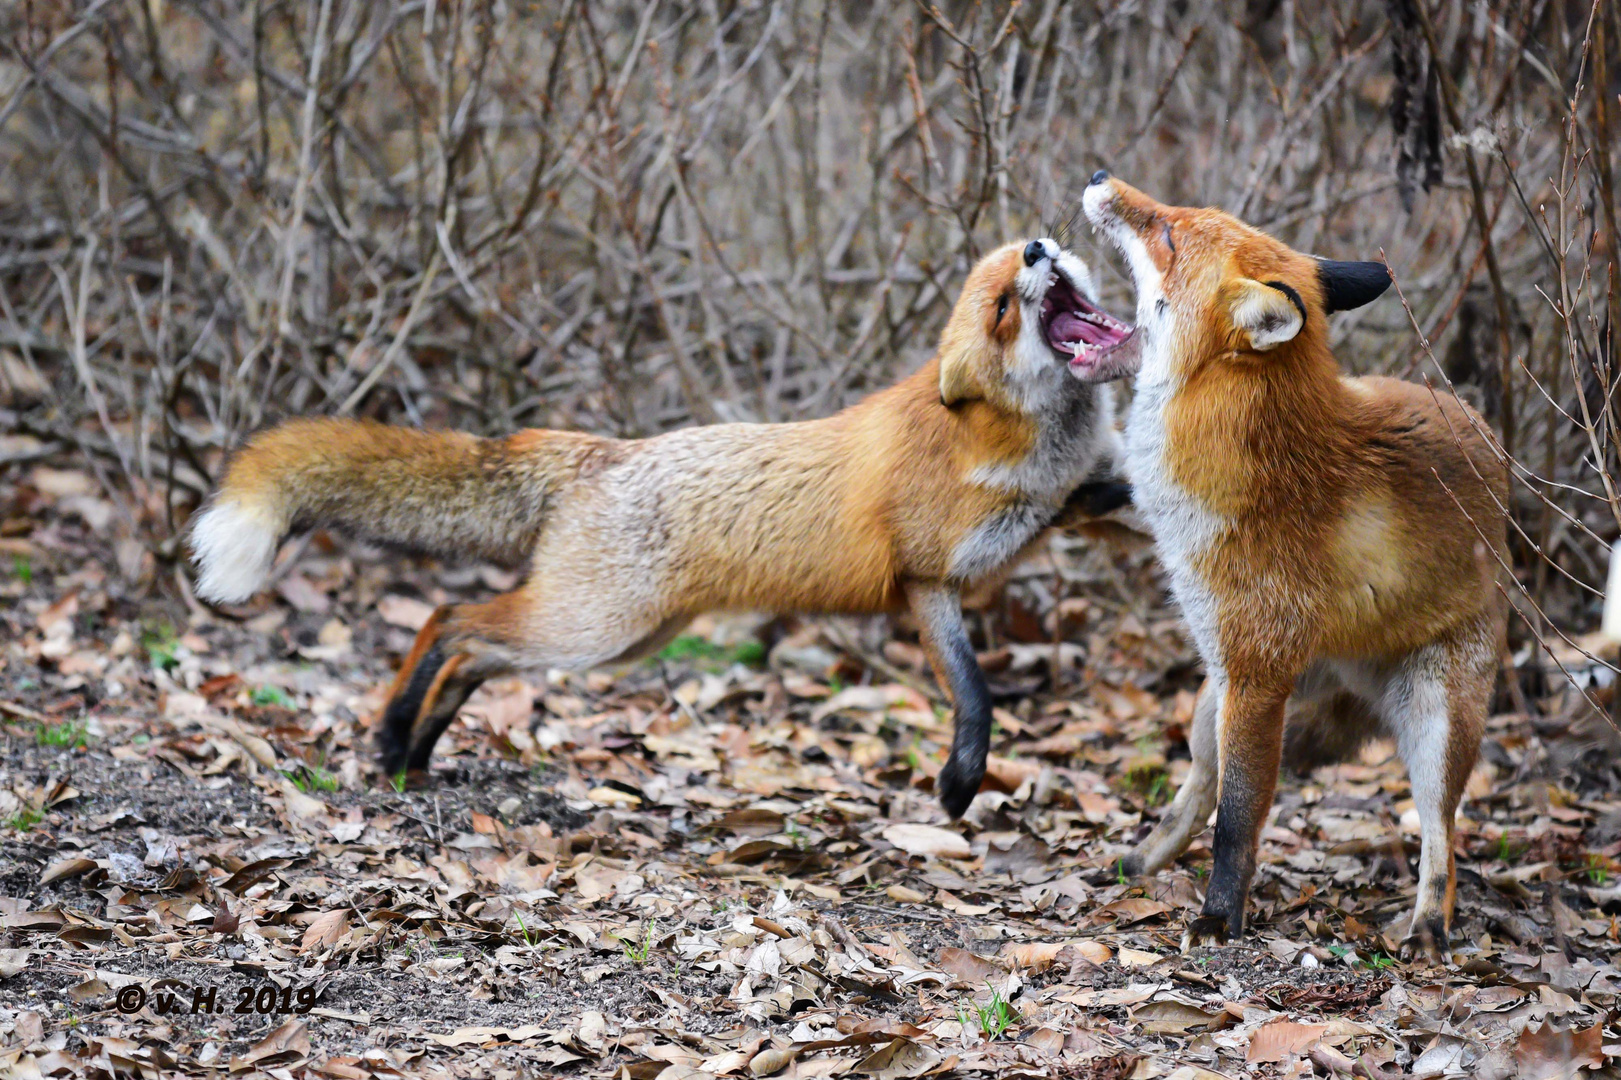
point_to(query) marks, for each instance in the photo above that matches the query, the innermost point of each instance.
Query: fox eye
(1001, 308)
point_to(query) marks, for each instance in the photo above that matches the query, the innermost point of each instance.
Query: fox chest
(997, 540)
(1185, 529)
(1038, 487)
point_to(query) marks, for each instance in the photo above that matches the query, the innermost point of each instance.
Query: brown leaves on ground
(729, 861)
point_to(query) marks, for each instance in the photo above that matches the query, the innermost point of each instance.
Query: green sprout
(309, 778)
(992, 1020)
(270, 695)
(638, 953)
(160, 641)
(70, 735)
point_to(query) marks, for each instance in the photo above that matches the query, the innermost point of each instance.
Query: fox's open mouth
(1076, 330)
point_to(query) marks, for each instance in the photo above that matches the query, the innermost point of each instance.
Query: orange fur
(1321, 534)
(906, 497)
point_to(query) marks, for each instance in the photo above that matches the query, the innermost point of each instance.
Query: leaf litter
(728, 860)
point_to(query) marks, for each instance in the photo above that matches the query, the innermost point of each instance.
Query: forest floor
(724, 862)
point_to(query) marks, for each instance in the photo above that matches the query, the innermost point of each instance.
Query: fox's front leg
(1251, 748)
(939, 613)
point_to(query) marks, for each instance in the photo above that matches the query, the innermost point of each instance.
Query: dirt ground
(725, 861)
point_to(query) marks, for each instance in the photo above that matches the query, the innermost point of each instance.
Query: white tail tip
(233, 546)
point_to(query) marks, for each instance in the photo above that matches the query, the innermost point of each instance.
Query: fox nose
(1098, 177)
(1034, 252)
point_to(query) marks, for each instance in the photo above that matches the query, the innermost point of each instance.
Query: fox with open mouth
(1334, 543)
(901, 501)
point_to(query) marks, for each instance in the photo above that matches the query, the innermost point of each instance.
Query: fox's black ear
(1348, 285)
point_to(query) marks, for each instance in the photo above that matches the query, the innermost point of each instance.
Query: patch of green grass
(1159, 790)
(25, 819)
(750, 652)
(708, 654)
(992, 1020)
(67, 734)
(1375, 961)
(22, 569)
(1597, 869)
(795, 834)
(397, 782)
(523, 929)
(637, 953)
(1507, 852)
(311, 778)
(271, 695)
(1152, 782)
(159, 640)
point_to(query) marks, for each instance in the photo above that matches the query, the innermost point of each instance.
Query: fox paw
(956, 790)
(1206, 930)
(1428, 941)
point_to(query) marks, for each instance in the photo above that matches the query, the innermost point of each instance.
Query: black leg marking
(394, 740)
(1236, 831)
(959, 780)
(453, 695)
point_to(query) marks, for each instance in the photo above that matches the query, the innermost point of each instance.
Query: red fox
(1323, 536)
(902, 500)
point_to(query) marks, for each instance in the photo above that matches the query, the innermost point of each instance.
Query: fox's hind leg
(1185, 818)
(438, 676)
(1436, 705)
(463, 645)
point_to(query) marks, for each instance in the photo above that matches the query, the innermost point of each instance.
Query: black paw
(1206, 930)
(392, 753)
(1099, 498)
(957, 788)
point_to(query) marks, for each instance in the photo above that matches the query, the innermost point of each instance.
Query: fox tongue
(1068, 326)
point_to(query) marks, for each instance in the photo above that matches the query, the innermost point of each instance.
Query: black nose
(1099, 176)
(1034, 252)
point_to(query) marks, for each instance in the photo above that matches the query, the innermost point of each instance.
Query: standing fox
(904, 499)
(1333, 542)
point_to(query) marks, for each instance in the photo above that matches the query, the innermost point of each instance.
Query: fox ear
(1268, 313)
(1348, 285)
(957, 382)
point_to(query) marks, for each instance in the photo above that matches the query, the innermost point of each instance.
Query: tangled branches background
(628, 215)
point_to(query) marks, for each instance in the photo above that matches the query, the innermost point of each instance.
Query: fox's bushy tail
(439, 493)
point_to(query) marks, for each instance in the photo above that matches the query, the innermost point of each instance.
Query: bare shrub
(627, 216)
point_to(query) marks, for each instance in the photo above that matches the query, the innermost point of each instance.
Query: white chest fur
(1069, 448)
(1183, 526)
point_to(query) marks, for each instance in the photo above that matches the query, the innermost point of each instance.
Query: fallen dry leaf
(927, 840)
(1278, 1039)
(324, 931)
(1546, 1052)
